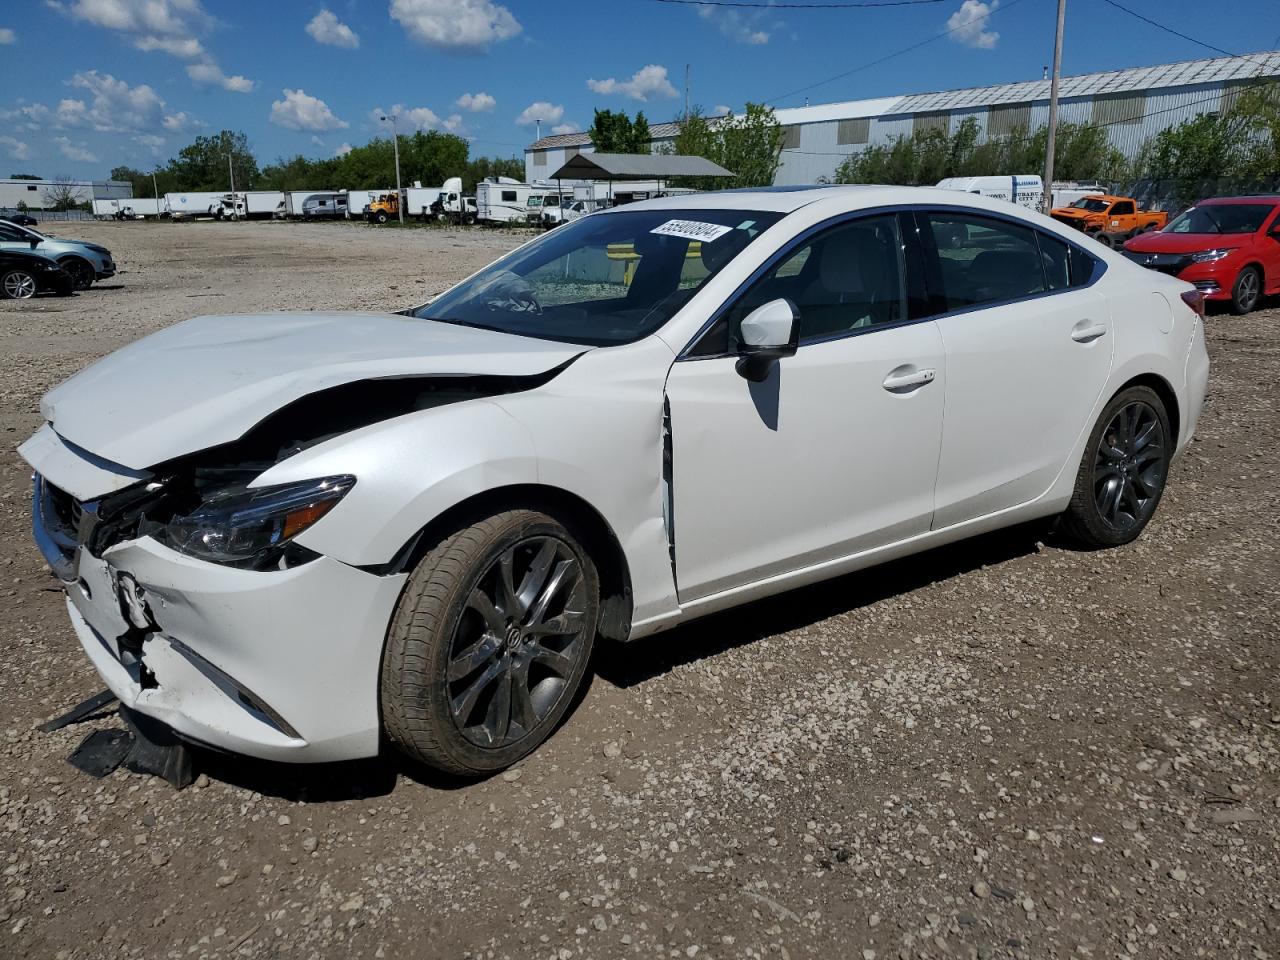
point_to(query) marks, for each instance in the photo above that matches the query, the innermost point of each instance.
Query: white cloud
(167, 25)
(299, 111)
(154, 144)
(737, 26)
(188, 48)
(968, 25)
(14, 148)
(408, 118)
(210, 73)
(565, 128)
(722, 110)
(540, 110)
(459, 25)
(650, 81)
(177, 122)
(74, 151)
(452, 123)
(113, 106)
(31, 116)
(343, 150)
(476, 102)
(7, 36)
(328, 29)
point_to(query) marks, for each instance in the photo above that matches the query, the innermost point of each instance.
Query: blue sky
(89, 84)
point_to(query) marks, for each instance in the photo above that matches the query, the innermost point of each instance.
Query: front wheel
(1123, 472)
(82, 274)
(489, 643)
(18, 285)
(380, 216)
(1246, 291)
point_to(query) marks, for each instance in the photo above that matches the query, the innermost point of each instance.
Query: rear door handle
(906, 379)
(1086, 331)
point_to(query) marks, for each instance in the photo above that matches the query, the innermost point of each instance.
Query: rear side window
(1065, 265)
(508, 196)
(1122, 208)
(984, 260)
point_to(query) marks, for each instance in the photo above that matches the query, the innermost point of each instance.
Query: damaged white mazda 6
(294, 535)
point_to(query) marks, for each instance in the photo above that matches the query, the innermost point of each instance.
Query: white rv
(295, 202)
(1023, 190)
(510, 201)
(319, 206)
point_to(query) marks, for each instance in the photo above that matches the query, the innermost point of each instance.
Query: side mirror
(767, 334)
(34, 243)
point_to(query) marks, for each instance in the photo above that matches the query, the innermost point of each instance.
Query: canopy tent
(636, 166)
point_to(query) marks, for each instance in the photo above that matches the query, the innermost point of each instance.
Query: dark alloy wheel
(517, 645)
(18, 285)
(82, 274)
(489, 643)
(1123, 472)
(1247, 291)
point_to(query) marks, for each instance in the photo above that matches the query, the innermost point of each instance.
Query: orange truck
(1109, 217)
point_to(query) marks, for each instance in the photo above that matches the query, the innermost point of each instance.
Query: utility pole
(395, 143)
(231, 173)
(154, 189)
(1052, 141)
(686, 91)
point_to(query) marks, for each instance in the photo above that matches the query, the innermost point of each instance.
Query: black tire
(380, 216)
(81, 271)
(1246, 291)
(18, 285)
(1122, 476)
(451, 649)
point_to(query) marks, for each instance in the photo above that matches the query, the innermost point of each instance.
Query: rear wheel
(1123, 472)
(18, 285)
(1247, 291)
(82, 274)
(489, 643)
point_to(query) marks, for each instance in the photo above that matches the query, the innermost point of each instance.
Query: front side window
(508, 196)
(11, 233)
(984, 260)
(602, 280)
(843, 280)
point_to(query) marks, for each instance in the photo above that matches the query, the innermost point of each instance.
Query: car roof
(789, 199)
(1259, 198)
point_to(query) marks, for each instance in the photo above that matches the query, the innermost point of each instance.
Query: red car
(1229, 247)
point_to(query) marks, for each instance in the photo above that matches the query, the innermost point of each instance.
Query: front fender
(408, 471)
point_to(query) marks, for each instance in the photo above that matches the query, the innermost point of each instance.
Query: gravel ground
(999, 749)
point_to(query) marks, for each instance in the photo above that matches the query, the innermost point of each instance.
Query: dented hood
(209, 380)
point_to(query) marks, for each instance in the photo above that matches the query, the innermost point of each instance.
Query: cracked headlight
(244, 526)
(1211, 256)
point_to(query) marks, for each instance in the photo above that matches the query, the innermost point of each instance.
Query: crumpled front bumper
(278, 664)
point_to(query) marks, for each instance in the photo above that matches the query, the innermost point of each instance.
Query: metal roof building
(1132, 105)
(35, 193)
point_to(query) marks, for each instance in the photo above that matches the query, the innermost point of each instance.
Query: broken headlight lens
(247, 526)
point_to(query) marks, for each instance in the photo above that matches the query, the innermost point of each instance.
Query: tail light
(1195, 300)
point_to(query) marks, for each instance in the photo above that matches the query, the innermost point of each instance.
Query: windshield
(1092, 204)
(1221, 218)
(602, 280)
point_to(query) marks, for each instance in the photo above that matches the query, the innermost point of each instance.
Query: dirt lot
(998, 749)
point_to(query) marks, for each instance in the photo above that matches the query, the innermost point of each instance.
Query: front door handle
(1086, 331)
(906, 379)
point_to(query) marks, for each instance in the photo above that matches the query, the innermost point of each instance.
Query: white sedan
(291, 535)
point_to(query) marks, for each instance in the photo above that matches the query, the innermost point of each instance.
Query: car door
(1268, 247)
(1028, 346)
(836, 450)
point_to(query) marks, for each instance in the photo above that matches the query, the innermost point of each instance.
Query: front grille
(1074, 222)
(1170, 263)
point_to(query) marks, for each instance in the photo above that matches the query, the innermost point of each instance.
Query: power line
(896, 53)
(868, 5)
(1176, 33)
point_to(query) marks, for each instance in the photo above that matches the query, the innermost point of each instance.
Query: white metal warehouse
(36, 193)
(1133, 105)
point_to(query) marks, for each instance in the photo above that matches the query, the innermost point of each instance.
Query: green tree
(481, 168)
(24, 176)
(749, 146)
(202, 165)
(617, 133)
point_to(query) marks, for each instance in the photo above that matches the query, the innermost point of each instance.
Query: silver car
(85, 262)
